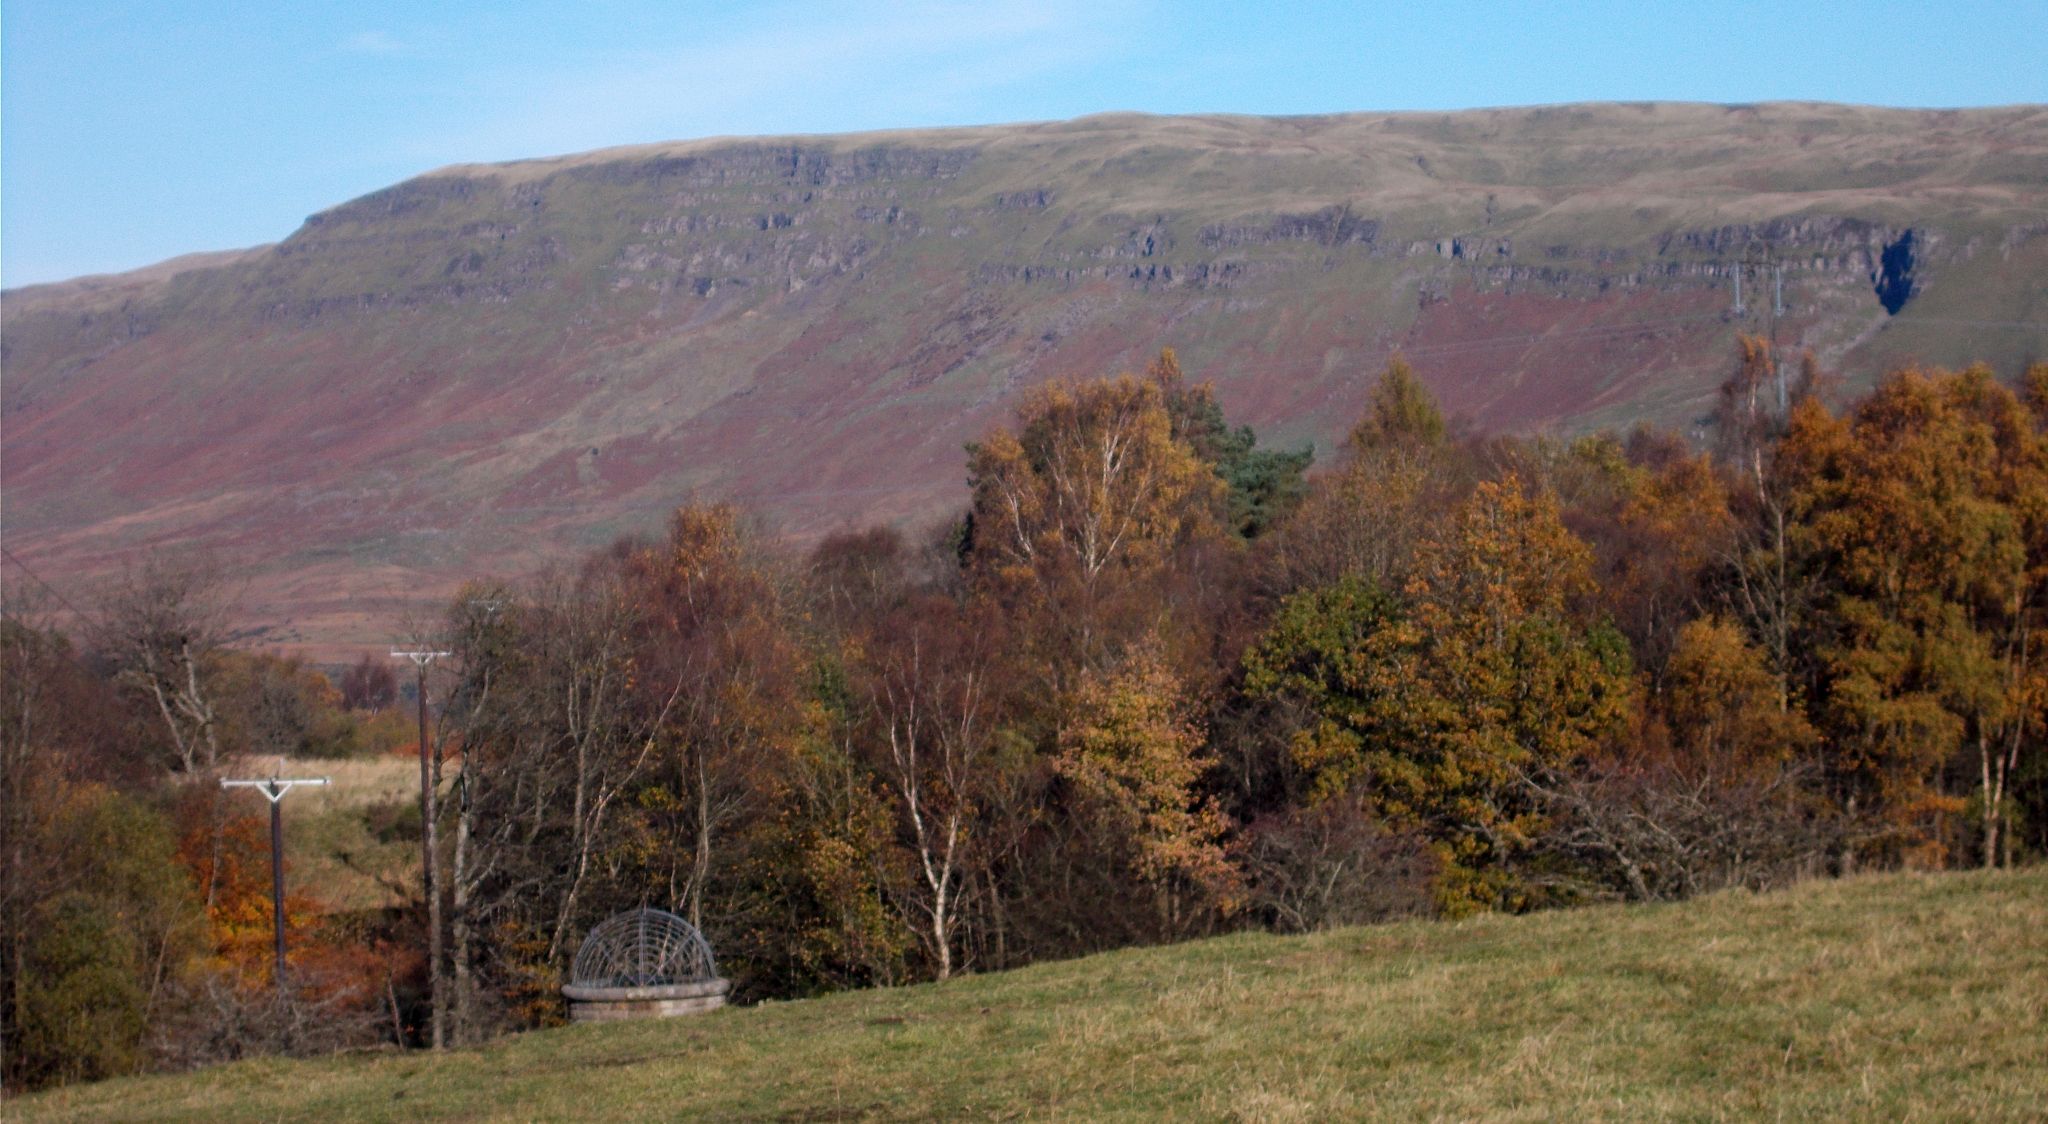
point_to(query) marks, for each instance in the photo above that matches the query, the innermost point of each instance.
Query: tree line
(1157, 681)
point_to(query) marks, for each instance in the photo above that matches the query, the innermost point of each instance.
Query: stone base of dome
(609, 1004)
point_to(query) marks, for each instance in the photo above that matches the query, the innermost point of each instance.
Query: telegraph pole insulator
(273, 790)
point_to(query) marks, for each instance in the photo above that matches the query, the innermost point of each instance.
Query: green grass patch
(1886, 997)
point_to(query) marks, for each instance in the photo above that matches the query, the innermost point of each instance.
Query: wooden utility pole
(430, 883)
(273, 790)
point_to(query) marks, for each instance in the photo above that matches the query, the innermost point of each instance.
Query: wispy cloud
(800, 69)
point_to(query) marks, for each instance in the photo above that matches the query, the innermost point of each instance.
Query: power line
(1591, 331)
(38, 579)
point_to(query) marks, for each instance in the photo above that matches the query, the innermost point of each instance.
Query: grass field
(1879, 998)
(335, 852)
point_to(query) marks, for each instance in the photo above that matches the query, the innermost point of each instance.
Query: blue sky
(132, 132)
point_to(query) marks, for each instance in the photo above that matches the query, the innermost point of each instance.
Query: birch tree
(932, 698)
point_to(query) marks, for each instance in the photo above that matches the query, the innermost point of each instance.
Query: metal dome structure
(644, 963)
(643, 948)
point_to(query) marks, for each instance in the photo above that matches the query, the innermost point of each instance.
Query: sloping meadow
(1884, 997)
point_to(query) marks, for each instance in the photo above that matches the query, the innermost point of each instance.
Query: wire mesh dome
(643, 948)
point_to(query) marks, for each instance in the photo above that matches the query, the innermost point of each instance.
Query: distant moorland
(491, 367)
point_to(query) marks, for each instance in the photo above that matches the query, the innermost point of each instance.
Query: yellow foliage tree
(1092, 483)
(1514, 683)
(1725, 706)
(1134, 755)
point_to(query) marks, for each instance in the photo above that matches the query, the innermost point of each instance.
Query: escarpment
(487, 366)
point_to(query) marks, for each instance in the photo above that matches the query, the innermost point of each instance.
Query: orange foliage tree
(1131, 751)
(1925, 509)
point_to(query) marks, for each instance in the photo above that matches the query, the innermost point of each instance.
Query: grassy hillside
(1894, 997)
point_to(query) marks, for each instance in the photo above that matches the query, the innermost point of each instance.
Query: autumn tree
(1334, 863)
(277, 705)
(1773, 581)
(1101, 523)
(752, 822)
(1397, 469)
(1516, 682)
(483, 719)
(1658, 518)
(369, 684)
(715, 658)
(55, 725)
(1134, 757)
(1922, 508)
(1093, 482)
(555, 740)
(856, 577)
(1400, 411)
(1748, 414)
(106, 945)
(1723, 703)
(1708, 790)
(807, 904)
